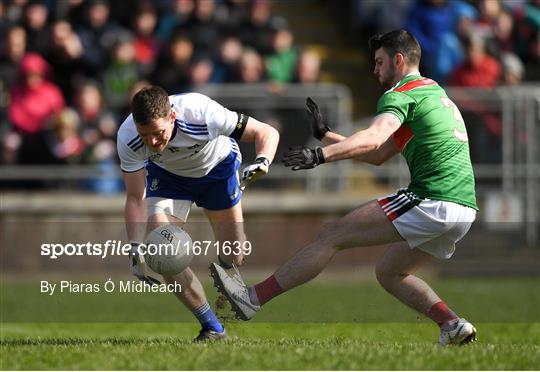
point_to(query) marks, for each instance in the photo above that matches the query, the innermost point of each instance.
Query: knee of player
(382, 274)
(328, 234)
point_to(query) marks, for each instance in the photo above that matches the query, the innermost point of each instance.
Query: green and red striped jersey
(433, 140)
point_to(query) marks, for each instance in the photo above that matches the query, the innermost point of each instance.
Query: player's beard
(387, 81)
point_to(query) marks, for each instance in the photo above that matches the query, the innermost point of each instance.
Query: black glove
(317, 122)
(300, 157)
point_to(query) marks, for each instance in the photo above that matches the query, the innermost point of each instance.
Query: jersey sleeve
(399, 104)
(205, 111)
(130, 161)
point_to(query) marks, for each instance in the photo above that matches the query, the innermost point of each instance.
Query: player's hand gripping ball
(168, 250)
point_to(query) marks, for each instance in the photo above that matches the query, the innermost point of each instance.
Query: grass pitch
(265, 346)
(506, 313)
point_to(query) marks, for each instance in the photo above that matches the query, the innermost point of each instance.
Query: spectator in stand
(512, 69)
(490, 13)
(504, 32)
(251, 68)
(3, 18)
(257, 31)
(36, 15)
(34, 99)
(281, 63)
(13, 50)
(204, 29)
(99, 129)
(479, 69)
(172, 67)
(230, 51)
(528, 40)
(200, 70)
(308, 70)
(62, 144)
(237, 13)
(174, 19)
(71, 11)
(429, 21)
(14, 11)
(147, 45)
(121, 73)
(88, 103)
(98, 34)
(65, 56)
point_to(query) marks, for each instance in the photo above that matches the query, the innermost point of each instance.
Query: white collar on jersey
(414, 73)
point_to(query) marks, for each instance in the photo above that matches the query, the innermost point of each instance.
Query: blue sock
(207, 318)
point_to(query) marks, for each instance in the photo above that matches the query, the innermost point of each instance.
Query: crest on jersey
(155, 157)
(154, 184)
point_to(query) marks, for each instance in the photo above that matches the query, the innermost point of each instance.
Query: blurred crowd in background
(68, 69)
(470, 43)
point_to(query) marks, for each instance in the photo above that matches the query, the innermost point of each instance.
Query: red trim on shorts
(382, 203)
(415, 84)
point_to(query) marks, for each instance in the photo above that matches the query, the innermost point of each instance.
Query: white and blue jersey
(201, 157)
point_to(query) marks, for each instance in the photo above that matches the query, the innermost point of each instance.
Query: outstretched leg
(365, 226)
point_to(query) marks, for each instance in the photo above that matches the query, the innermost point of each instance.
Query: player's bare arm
(381, 155)
(364, 141)
(266, 139)
(264, 136)
(377, 157)
(323, 133)
(135, 207)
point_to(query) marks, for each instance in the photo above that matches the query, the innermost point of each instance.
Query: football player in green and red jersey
(417, 223)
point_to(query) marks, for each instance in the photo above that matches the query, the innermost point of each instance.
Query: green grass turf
(265, 346)
(323, 325)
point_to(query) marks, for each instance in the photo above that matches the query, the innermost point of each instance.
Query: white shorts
(177, 208)
(433, 226)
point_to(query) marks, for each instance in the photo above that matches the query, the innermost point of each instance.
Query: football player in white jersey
(176, 150)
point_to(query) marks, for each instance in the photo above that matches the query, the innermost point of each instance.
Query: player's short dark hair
(149, 104)
(398, 41)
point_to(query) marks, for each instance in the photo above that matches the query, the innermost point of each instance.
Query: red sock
(268, 289)
(441, 314)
